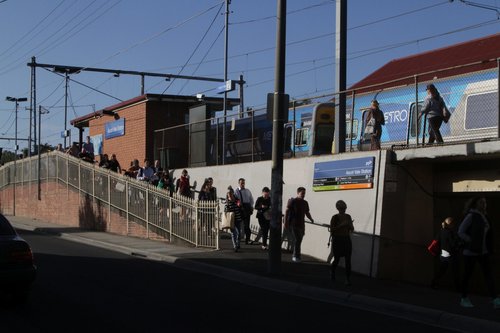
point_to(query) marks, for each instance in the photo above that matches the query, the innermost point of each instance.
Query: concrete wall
(363, 205)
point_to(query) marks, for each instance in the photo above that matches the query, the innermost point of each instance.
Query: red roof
(478, 54)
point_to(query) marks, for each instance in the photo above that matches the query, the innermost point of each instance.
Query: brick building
(127, 129)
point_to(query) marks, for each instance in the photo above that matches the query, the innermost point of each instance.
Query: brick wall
(65, 206)
(129, 146)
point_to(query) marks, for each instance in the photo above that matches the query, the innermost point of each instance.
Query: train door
(323, 129)
(364, 142)
(417, 129)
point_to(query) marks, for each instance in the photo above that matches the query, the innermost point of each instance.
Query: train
(309, 130)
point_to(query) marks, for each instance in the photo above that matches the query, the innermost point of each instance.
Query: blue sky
(184, 37)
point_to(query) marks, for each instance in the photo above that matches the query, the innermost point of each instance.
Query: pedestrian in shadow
(475, 230)
(341, 227)
(449, 244)
(263, 208)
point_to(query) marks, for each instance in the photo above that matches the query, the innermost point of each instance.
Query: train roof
(471, 56)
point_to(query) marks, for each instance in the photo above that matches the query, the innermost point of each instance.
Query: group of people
(473, 242)
(434, 108)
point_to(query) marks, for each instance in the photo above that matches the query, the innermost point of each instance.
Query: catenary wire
(196, 48)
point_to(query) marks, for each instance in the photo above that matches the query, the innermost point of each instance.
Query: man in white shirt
(145, 173)
(246, 199)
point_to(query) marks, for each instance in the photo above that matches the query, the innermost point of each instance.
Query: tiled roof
(447, 61)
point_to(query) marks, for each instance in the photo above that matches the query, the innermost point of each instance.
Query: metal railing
(472, 98)
(142, 204)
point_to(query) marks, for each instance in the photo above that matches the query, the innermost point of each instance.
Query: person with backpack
(374, 120)
(296, 210)
(183, 186)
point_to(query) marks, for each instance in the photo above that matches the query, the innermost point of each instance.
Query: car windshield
(5, 228)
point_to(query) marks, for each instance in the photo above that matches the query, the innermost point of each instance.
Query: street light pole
(16, 100)
(40, 112)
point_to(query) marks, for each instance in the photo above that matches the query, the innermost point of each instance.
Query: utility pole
(224, 107)
(66, 110)
(279, 110)
(33, 99)
(340, 73)
(15, 100)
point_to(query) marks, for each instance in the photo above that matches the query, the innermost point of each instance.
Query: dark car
(17, 268)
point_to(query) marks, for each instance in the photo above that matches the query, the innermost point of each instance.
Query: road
(80, 288)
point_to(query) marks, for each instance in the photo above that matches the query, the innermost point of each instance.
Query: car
(17, 267)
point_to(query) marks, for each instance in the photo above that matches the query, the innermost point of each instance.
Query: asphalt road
(81, 288)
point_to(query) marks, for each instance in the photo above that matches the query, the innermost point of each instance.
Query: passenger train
(472, 100)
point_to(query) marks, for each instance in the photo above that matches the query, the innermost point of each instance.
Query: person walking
(374, 120)
(341, 228)
(296, 210)
(245, 197)
(433, 108)
(449, 243)
(475, 231)
(232, 206)
(263, 208)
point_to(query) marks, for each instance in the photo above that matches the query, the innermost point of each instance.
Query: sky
(186, 37)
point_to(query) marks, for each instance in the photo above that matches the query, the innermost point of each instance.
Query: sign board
(356, 173)
(66, 133)
(226, 87)
(114, 128)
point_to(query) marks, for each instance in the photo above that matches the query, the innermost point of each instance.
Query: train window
(354, 134)
(481, 111)
(301, 136)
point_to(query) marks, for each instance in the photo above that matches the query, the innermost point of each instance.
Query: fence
(154, 209)
(471, 97)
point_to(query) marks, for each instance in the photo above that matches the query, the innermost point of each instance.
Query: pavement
(308, 279)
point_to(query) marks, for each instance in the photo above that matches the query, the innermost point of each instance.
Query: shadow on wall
(90, 215)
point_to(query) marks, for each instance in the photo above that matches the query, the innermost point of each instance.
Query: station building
(128, 129)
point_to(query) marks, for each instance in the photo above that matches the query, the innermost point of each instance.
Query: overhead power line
(196, 48)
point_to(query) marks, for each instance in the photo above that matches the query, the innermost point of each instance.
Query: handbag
(227, 220)
(370, 126)
(433, 247)
(446, 114)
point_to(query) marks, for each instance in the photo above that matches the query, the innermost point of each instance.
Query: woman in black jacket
(475, 230)
(449, 243)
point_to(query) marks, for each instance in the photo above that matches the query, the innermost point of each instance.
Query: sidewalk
(309, 279)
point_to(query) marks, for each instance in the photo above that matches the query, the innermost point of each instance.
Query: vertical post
(242, 105)
(274, 263)
(416, 119)
(15, 163)
(196, 222)
(294, 126)
(498, 94)
(147, 211)
(171, 217)
(224, 106)
(352, 119)
(142, 84)
(66, 108)
(340, 73)
(127, 198)
(33, 100)
(39, 152)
